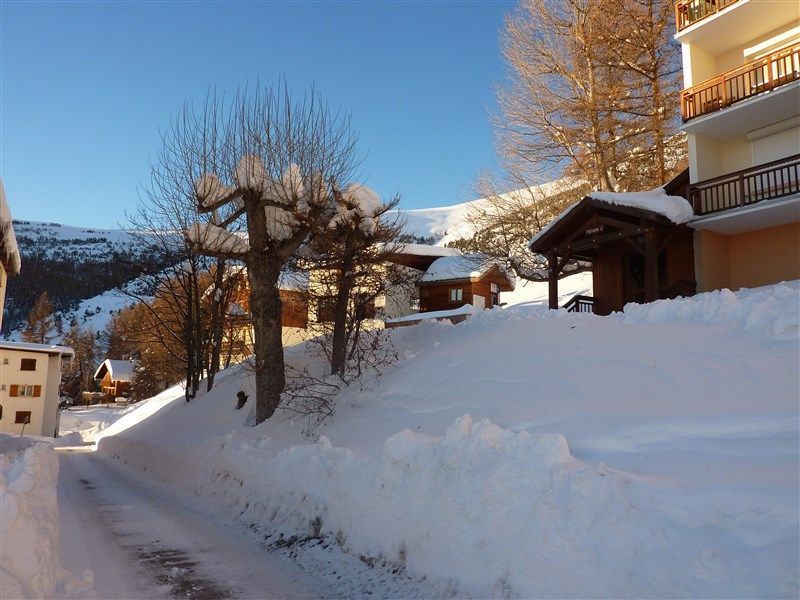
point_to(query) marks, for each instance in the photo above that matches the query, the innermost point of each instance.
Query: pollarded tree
(41, 322)
(263, 168)
(351, 260)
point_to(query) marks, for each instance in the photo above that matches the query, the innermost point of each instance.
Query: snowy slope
(530, 453)
(68, 242)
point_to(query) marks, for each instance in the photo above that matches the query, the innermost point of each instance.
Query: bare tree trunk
(263, 272)
(339, 339)
(217, 321)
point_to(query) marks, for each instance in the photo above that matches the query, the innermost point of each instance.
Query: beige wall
(747, 259)
(44, 409)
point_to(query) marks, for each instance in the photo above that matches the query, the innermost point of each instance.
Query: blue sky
(86, 87)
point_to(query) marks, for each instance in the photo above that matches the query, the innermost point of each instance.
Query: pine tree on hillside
(41, 321)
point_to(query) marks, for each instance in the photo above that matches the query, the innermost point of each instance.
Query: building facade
(30, 376)
(741, 113)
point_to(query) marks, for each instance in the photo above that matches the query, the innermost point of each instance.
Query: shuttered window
(27, 364)
(32, 391)
(22, 416)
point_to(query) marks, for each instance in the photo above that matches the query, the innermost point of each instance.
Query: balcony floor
(751, 217)
(740, 118)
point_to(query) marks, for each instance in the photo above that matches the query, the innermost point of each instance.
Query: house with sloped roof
(114, 377)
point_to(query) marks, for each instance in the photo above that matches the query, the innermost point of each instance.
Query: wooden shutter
(14, 391)
(37, 391)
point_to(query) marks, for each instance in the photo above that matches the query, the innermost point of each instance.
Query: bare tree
(262, 167)
(41, 322)
(351, 264)
(504, 222)
(592, 92)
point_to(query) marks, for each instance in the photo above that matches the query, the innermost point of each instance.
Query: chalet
(114, 377)
(452, 281)
(30, 374)
(293, 289)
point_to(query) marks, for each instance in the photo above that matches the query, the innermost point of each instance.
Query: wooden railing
(580, 304)
(764, 182)
(779, 68)
(689, 12)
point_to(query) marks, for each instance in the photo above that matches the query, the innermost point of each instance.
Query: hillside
(72, 264)
(515, 456)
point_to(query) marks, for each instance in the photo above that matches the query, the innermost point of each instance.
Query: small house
(638, 246)
(30, 377)
(114, 377)
(450, 282)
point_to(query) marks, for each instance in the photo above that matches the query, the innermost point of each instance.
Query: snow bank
(531, 453)
(771, 309)
(29, 524)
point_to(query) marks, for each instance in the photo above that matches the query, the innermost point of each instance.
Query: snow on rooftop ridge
(29, 347)
(675, 208)
(120, 370)
(8, 240)
(426, 250)
(462, 266)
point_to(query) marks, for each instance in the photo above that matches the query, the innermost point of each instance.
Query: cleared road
(144, 541)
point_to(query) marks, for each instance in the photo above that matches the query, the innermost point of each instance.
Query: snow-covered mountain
(66, 242)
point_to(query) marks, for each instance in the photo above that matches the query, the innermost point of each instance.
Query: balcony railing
(768, 73)
(689, 12)
(580, 304)
(764, 182)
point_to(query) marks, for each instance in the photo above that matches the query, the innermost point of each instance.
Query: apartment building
(741, 112)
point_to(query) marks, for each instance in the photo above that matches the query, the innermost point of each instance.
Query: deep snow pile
(29, 566)
(532, 453)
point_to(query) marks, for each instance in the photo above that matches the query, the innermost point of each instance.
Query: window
(326, 309)
(456, 295)
(22, 416)
(5, 361)
(33, 391)
(27, 364)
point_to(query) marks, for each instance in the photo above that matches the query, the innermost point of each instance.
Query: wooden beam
(552, 279)
(650, 265)
(604, 238)
(636, 246)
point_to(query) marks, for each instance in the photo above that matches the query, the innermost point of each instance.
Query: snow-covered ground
(528, 453)
(87, 422)
(29, 525)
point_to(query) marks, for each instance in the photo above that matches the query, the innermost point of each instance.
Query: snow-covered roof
(426, 250)
(467, 309)
(9, 251)
(45, 348)
(120, 370)
(462, 266)
(676, 209)
(288, 280)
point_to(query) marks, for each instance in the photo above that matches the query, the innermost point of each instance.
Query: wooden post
(650, 264)
(552, 278)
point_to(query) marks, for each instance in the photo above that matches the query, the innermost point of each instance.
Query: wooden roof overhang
(591, 224)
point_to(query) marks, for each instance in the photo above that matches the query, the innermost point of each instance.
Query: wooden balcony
(689, 12)
(756, 184)
(777, 69)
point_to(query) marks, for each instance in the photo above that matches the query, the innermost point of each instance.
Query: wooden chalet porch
(635, 255)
